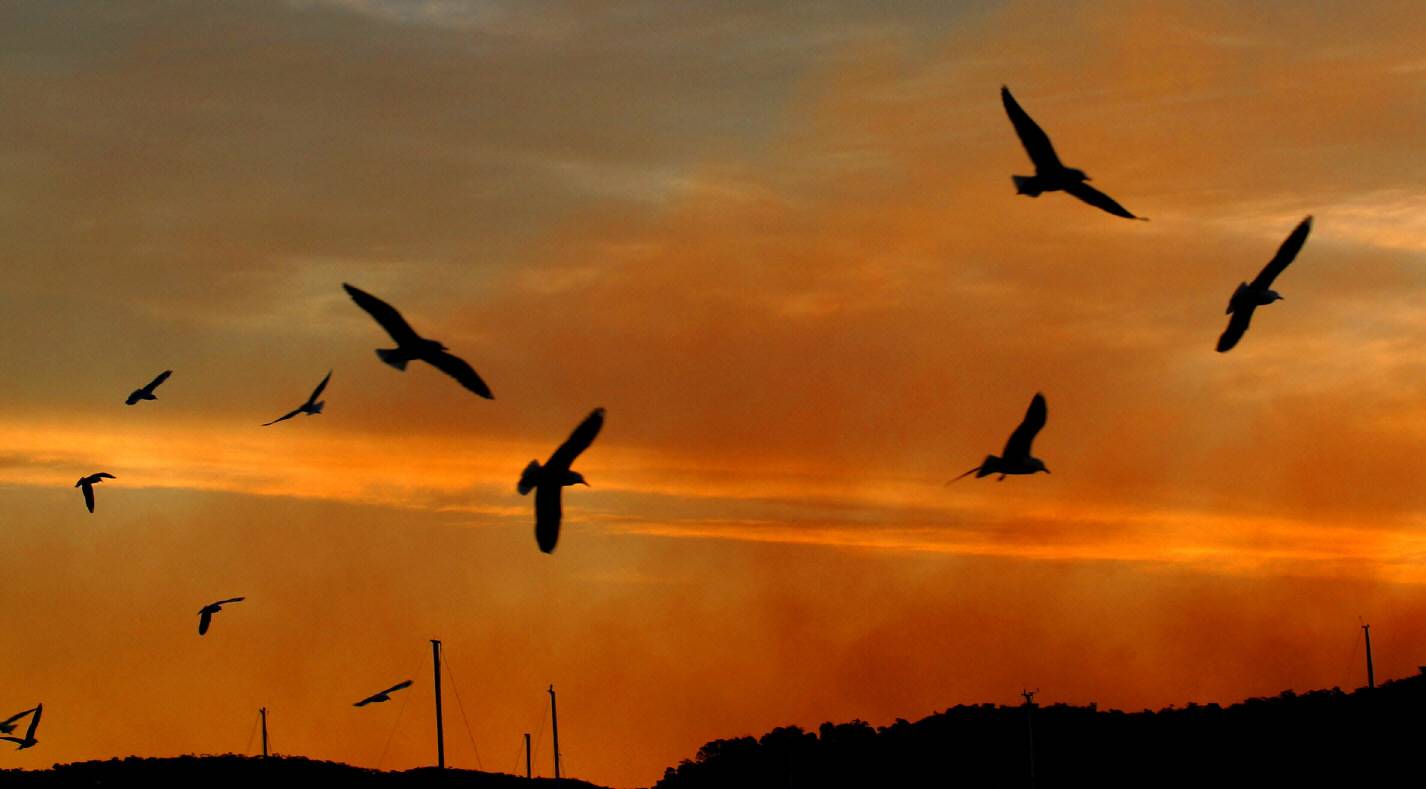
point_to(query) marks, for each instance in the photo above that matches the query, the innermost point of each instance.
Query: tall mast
(262, 711)
(1030, 729)
(1371, 675)
(440, 729)
(555, 730)
(529, 773)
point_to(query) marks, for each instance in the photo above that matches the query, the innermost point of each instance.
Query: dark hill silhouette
(246, 772)
(1320, 738)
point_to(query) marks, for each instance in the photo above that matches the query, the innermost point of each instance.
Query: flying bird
(29, 741)
(377, 698)
(1015, 458)
(412, 346)
(548, 480)
(8, 725)
(1050, 174)
(88, 483)
(146, 393)
(311, 407)
(1251, 295)
(205, 614)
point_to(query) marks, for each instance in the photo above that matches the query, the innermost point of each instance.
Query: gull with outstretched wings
(1016, 458)
(312, 407)
(377, 698)
(29, 740)
(550, 479)
(8, 725)
(1050, 174)
(146, 392)
(88, 483)
(205, 614)
(412, 346)
(1258, 293)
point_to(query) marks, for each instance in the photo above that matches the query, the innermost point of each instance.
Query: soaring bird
(410, 345)
(1251, 295)
(377, 698)
(548, 480)
(1015, 458)
(29, 741)
(88, 483)
(8, 725)
(311, 407)
(205, 614)
(146, 393)
(1050, 174)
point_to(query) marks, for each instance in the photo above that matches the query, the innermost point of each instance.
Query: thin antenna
(529, 771)
(555, 732)
(440, 729)
(1371, 675)
(263, 712)
(1030, 728)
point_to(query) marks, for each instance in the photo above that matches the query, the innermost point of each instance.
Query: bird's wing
(1237, 325)
(17, 716)
(385, 314)
(13, 739)
(163, 376)
(230, 600)
(398, 686)
(1036, 142)
(283, 418)
(1019, 444)
(205, 618)
(104, 475)
(577, 442)
(316, 393)
(547, 515)
(1285, 254)
(366, 701)
(35, 721)
(457, 368)
(88, 497)
(1099, 200)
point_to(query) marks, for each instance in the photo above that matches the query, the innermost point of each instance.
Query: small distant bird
(547, 481)
(1015, 458)
(1051, 175)
(1251, 295)
(311, 407)
(29, 741)
(410, 345)
(8, 725)
(377, 698)
(146, 393)
(88, 483)
(205, 614)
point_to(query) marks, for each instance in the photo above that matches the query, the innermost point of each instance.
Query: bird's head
(1078, 175)
(575, 478)
(1273, 296)
(1037, 465)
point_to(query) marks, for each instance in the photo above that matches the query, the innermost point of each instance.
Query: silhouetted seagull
(1251, 295)
(1050, 175)
(547, 481)
(410, 345)
(146, 393)
(29, 741)
(8, 725)
(88, 483)
(205, 614)
(377, 698)
(1015, 458)
(311, 407)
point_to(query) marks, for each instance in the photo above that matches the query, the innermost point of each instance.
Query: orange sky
(782, 248)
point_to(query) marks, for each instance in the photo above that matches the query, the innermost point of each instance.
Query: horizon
(780, 244)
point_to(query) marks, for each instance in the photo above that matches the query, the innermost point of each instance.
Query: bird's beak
(585, 484)
(1046, 471)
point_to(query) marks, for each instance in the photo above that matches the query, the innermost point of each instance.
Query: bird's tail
(986, 467)
(317, 406)
(393, 357)
(529, 477)
(1027, 185)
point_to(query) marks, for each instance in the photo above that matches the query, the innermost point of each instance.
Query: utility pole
(263, 712)
(555, 730)
(1030, 728)
(440, 728)
(529, 773)
(1371, 675)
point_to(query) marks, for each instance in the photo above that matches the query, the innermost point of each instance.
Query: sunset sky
(780, 244)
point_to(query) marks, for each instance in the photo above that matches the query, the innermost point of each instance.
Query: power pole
(440, 728)
(1371, 675)
(529, 773)
(1030, 728)
(263, 712)
(555, 730)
